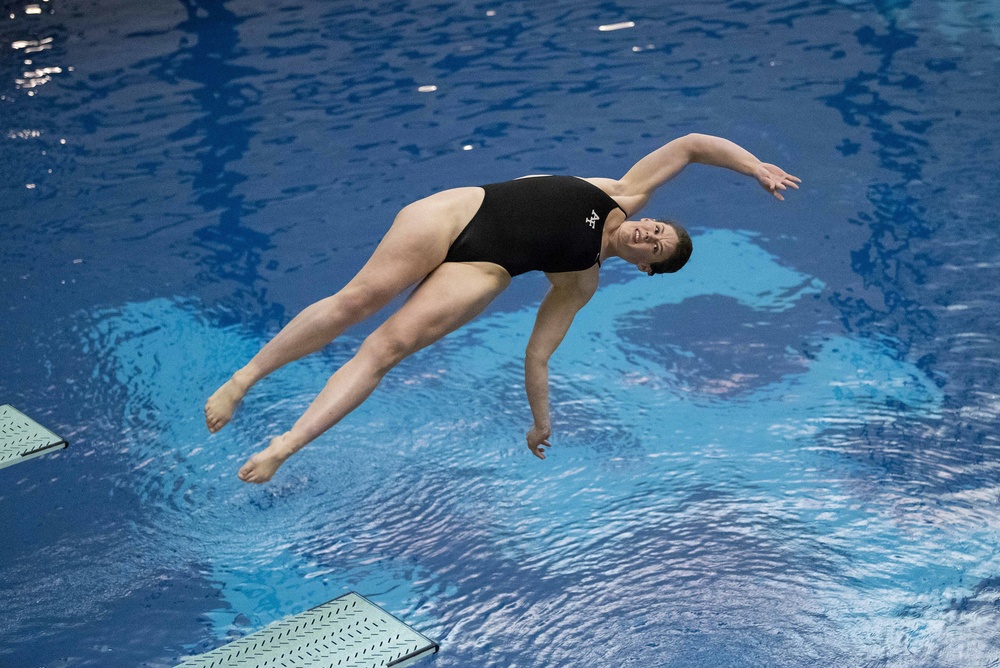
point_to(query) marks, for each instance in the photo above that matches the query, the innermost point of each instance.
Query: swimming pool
(781, 456)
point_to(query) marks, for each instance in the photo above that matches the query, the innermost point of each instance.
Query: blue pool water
(785, 455)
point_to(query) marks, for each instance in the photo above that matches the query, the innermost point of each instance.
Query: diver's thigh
(418, 240)
(452, 295)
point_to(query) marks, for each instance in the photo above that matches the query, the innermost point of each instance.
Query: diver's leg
(450, 296)
(417, 242)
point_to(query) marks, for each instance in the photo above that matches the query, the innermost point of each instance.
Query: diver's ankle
(244, 379)
(282, 446)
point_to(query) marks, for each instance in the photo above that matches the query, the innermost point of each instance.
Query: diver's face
(646, 242)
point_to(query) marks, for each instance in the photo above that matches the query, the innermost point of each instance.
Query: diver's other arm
(568, 294)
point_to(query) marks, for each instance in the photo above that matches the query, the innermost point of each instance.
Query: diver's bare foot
(220, 406)
(261, 466)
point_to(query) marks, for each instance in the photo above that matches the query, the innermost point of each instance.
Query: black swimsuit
(546, 223)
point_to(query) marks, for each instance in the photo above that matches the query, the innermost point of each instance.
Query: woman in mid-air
(461, 247)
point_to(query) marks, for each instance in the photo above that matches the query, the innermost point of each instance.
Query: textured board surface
(347, 632)
(22, 438)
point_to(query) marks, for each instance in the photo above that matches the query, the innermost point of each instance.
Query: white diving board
(347, 632)
(21, 438)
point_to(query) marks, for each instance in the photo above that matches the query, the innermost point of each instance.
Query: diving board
(347, 632)
(22, 438)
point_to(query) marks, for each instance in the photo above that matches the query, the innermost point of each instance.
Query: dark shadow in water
(222, 135)
(904, 258)
(897, 219)
(714, 346)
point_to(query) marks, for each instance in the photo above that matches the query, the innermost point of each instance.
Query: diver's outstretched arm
(720, 152)
(670, 160)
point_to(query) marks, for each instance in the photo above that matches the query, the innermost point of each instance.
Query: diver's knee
(354, 304)
(384, 349)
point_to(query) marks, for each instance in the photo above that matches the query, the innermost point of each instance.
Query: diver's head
(654, 246)
(680, 254)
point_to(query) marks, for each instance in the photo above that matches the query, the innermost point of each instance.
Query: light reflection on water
(754, 465)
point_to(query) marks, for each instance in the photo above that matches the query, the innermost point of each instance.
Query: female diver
(461, 247)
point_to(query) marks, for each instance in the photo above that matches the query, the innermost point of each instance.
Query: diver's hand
(773, 179)
(538, 438)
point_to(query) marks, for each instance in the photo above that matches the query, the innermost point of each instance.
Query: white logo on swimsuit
(593, 219)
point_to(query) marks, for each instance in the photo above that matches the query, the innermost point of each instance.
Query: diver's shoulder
(612, 187)
(618, 191)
